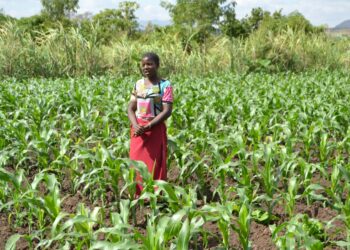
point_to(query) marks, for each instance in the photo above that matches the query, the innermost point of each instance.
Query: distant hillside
(343, 25)
(143, 23)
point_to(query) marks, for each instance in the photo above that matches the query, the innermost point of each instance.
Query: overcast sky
(330, 12)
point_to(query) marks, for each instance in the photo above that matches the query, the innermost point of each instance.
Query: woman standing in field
(150, 105)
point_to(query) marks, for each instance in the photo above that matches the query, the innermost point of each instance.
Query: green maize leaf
(177, 217)
(260, 215)
(66, 246)
(343, 244)
(197, 223)
(224, 229)
(11, 242)
(184, 236)
(142, 168)
(125, 245)
(170, 227)
(9, 177)
(78, 220)
(38, 178)
(217, 211)
(168, 189)
(64, 146)
(144, 196)
(345, 172)
(56, 222)
(275, 230)
(124, 210)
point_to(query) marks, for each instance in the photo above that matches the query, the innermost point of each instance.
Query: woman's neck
(154, 79)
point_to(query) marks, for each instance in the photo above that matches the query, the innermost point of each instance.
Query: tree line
(193, 21)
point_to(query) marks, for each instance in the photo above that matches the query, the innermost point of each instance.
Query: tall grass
(67, 53)
(297, 51)
(56, 53)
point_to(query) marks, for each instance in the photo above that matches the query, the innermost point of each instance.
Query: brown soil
(5, 230)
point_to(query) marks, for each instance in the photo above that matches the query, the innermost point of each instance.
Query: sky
(329, 12)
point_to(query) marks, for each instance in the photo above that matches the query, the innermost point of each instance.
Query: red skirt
(150, 148)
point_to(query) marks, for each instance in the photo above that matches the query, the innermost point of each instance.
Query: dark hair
(153, 56)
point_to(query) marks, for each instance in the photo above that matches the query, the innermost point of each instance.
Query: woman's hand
(140, 129)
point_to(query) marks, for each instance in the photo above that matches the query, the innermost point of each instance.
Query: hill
(343, 25)
(143, 23)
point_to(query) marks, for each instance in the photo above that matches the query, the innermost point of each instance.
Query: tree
(252, 22)
(114, 21)
(278, 22)
(59, 9)
(200, 17)
(229, 24)
(127, 11)
(195, 13)
(297, 21)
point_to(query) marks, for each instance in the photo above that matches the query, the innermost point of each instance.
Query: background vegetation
(59, 43)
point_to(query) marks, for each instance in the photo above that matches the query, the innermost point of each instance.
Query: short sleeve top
(150, 98)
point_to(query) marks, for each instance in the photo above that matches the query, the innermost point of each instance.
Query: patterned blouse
(150, 98)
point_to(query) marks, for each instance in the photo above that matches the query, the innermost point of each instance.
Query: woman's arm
(162, 116)
(132, 106)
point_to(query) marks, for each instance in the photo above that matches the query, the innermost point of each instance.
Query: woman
(150, 105)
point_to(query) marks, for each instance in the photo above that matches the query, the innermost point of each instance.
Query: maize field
(255, 161)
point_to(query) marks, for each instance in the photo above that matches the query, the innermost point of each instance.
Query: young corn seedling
(17, 194)
(115, 172)
(52, 201)
(269, 179)
(324, 148)
(267, 173)
(299, 232)
(120, 231)
(82, 225)
(335, 190)
(191, 230)
(154, 238)
(221, 173)
(346, 214)
(120, 235)
(291, 196)
(170, 194)
(129, 175)
(309, 137)
(243, 226)
(222, 213)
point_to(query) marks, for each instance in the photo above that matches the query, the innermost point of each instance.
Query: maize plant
(246, 154)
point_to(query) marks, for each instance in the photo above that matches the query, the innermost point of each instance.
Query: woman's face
(149, 67)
